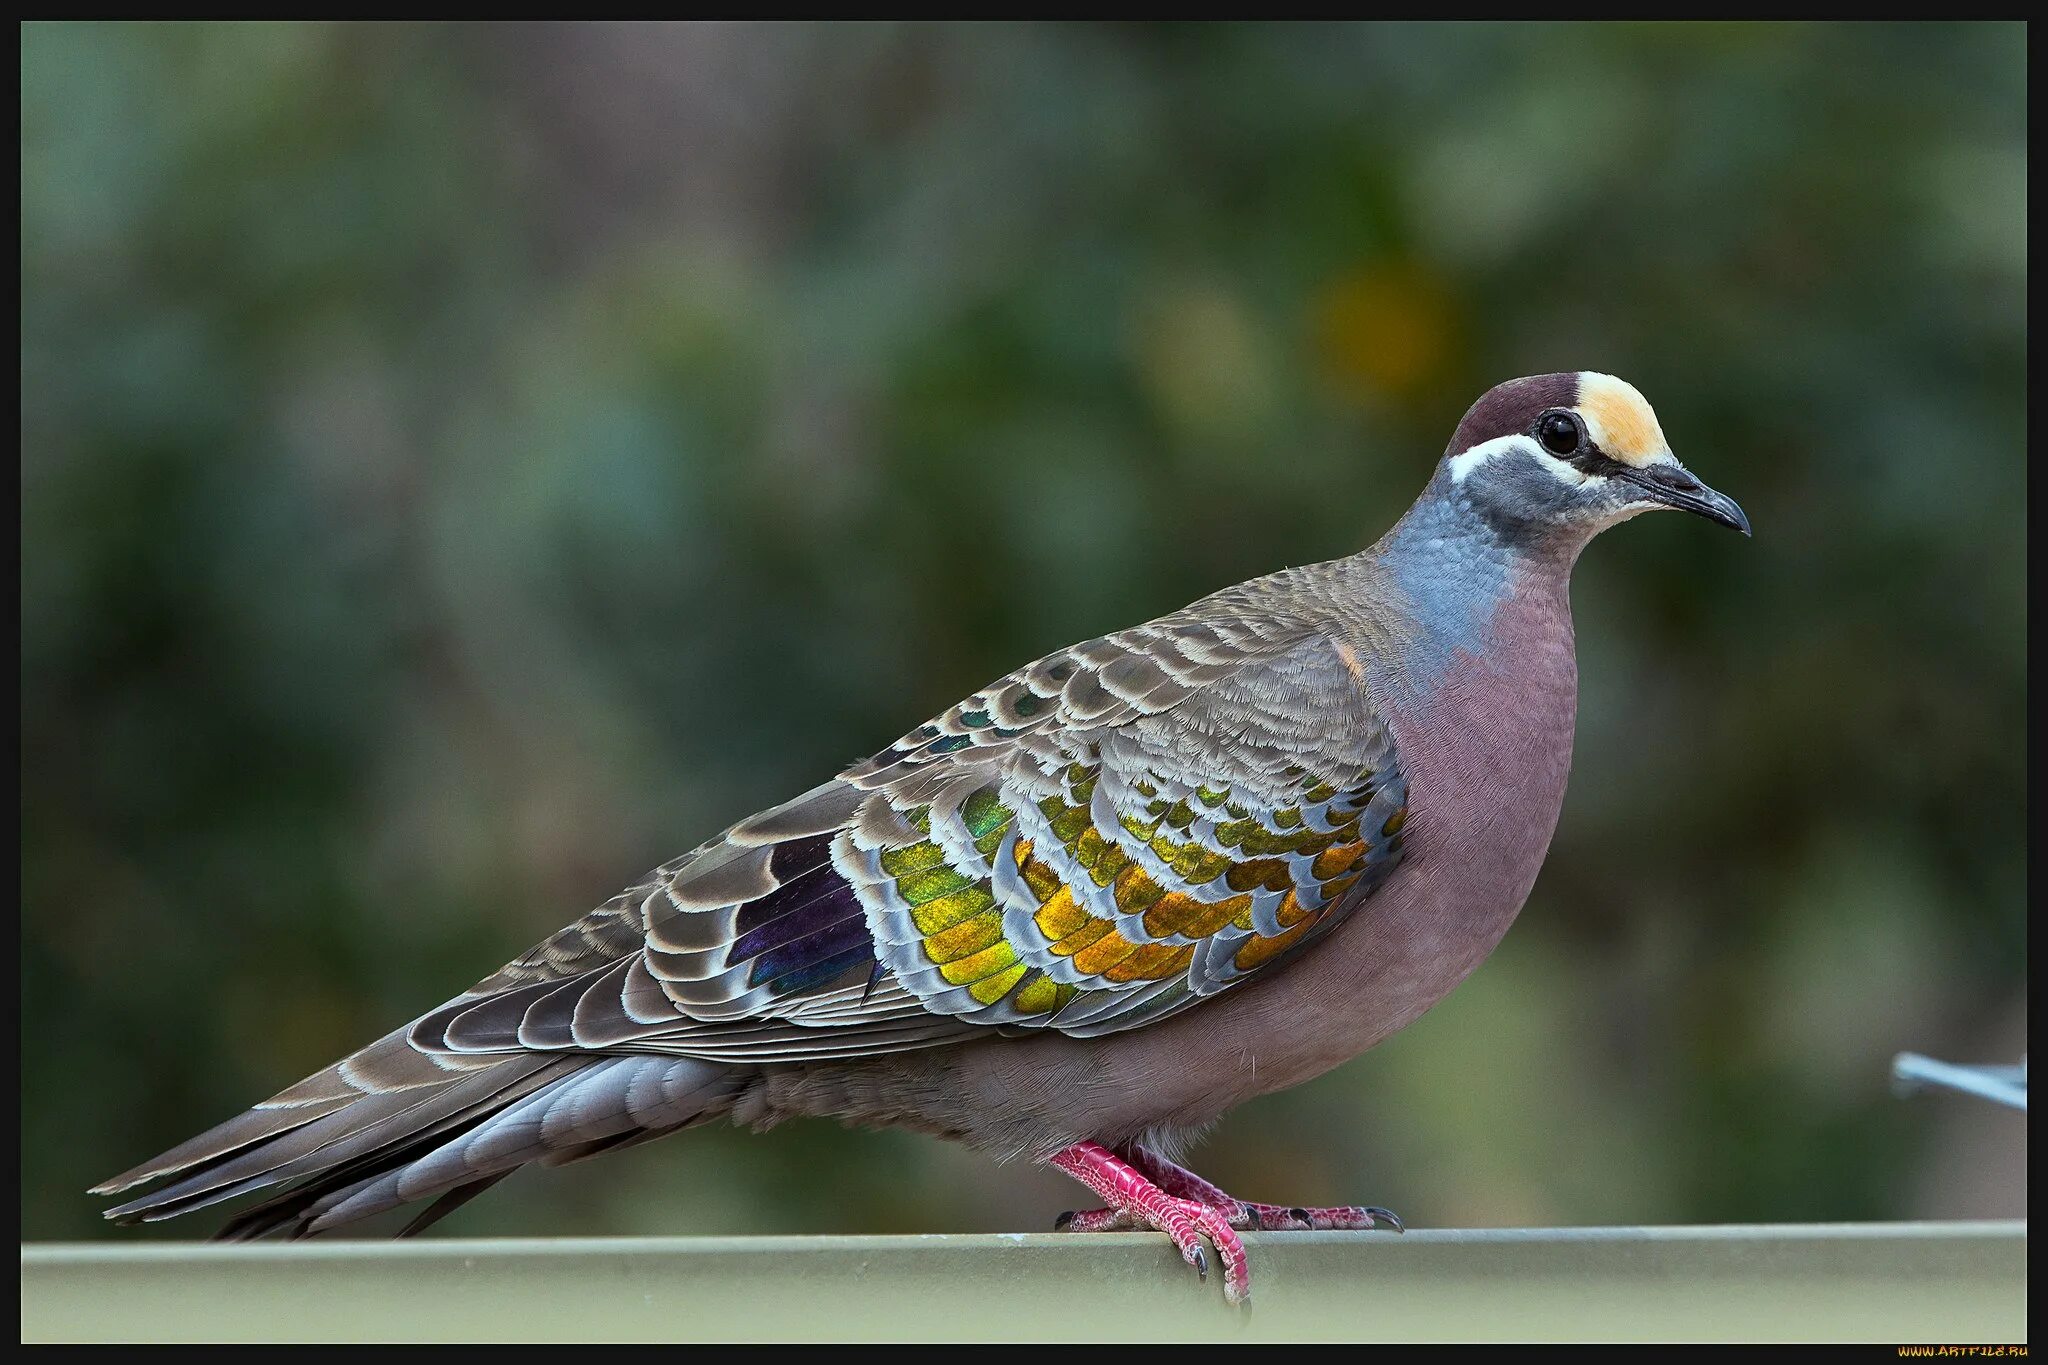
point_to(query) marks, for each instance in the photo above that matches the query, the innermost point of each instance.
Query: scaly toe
(1095, 1220)
(1188, 1222)
(1348, 1218)
(1354, 1218)
(1237, 1278)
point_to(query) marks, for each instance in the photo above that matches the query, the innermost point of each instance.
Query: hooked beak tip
(1672, 485)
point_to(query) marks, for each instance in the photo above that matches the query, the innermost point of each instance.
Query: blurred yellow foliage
(1384, 330)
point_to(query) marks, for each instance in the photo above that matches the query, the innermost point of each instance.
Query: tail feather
(608, 1102)
(389, 1064)
(370, 1125)
(291, 1210)
(219, 1142)
(448, 1203)
(391, 1125)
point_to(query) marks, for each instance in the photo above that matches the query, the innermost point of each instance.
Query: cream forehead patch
(1620, 420)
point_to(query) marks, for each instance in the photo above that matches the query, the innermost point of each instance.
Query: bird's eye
(1560, 432)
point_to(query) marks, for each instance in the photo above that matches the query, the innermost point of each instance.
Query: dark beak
(1673, 486)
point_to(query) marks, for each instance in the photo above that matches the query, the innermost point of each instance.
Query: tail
(391, 1124)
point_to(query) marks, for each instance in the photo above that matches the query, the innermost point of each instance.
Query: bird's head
(1568, 455)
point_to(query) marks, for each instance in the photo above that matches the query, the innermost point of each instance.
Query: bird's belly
(1486, 764)
(1430, 926)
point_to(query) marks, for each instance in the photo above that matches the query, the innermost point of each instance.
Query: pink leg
(1186, 1221)
(1177, 1180)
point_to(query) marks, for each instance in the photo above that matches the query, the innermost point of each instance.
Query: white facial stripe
(1465, 461)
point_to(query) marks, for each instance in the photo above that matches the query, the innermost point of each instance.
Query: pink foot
(1173, 1185)
(1251, 1217)
(1135, 1201)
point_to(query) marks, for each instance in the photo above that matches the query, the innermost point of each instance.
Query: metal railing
(1890, 1282)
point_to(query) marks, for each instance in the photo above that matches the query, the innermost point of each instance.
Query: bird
(1074, 918)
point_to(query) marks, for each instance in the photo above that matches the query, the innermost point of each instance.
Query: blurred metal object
(2005, 1085)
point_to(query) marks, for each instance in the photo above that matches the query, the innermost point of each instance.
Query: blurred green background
(465, 467)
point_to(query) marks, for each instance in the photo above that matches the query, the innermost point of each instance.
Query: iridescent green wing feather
(1098, 876)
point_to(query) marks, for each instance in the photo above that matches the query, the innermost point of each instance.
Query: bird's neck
(1459, 586)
